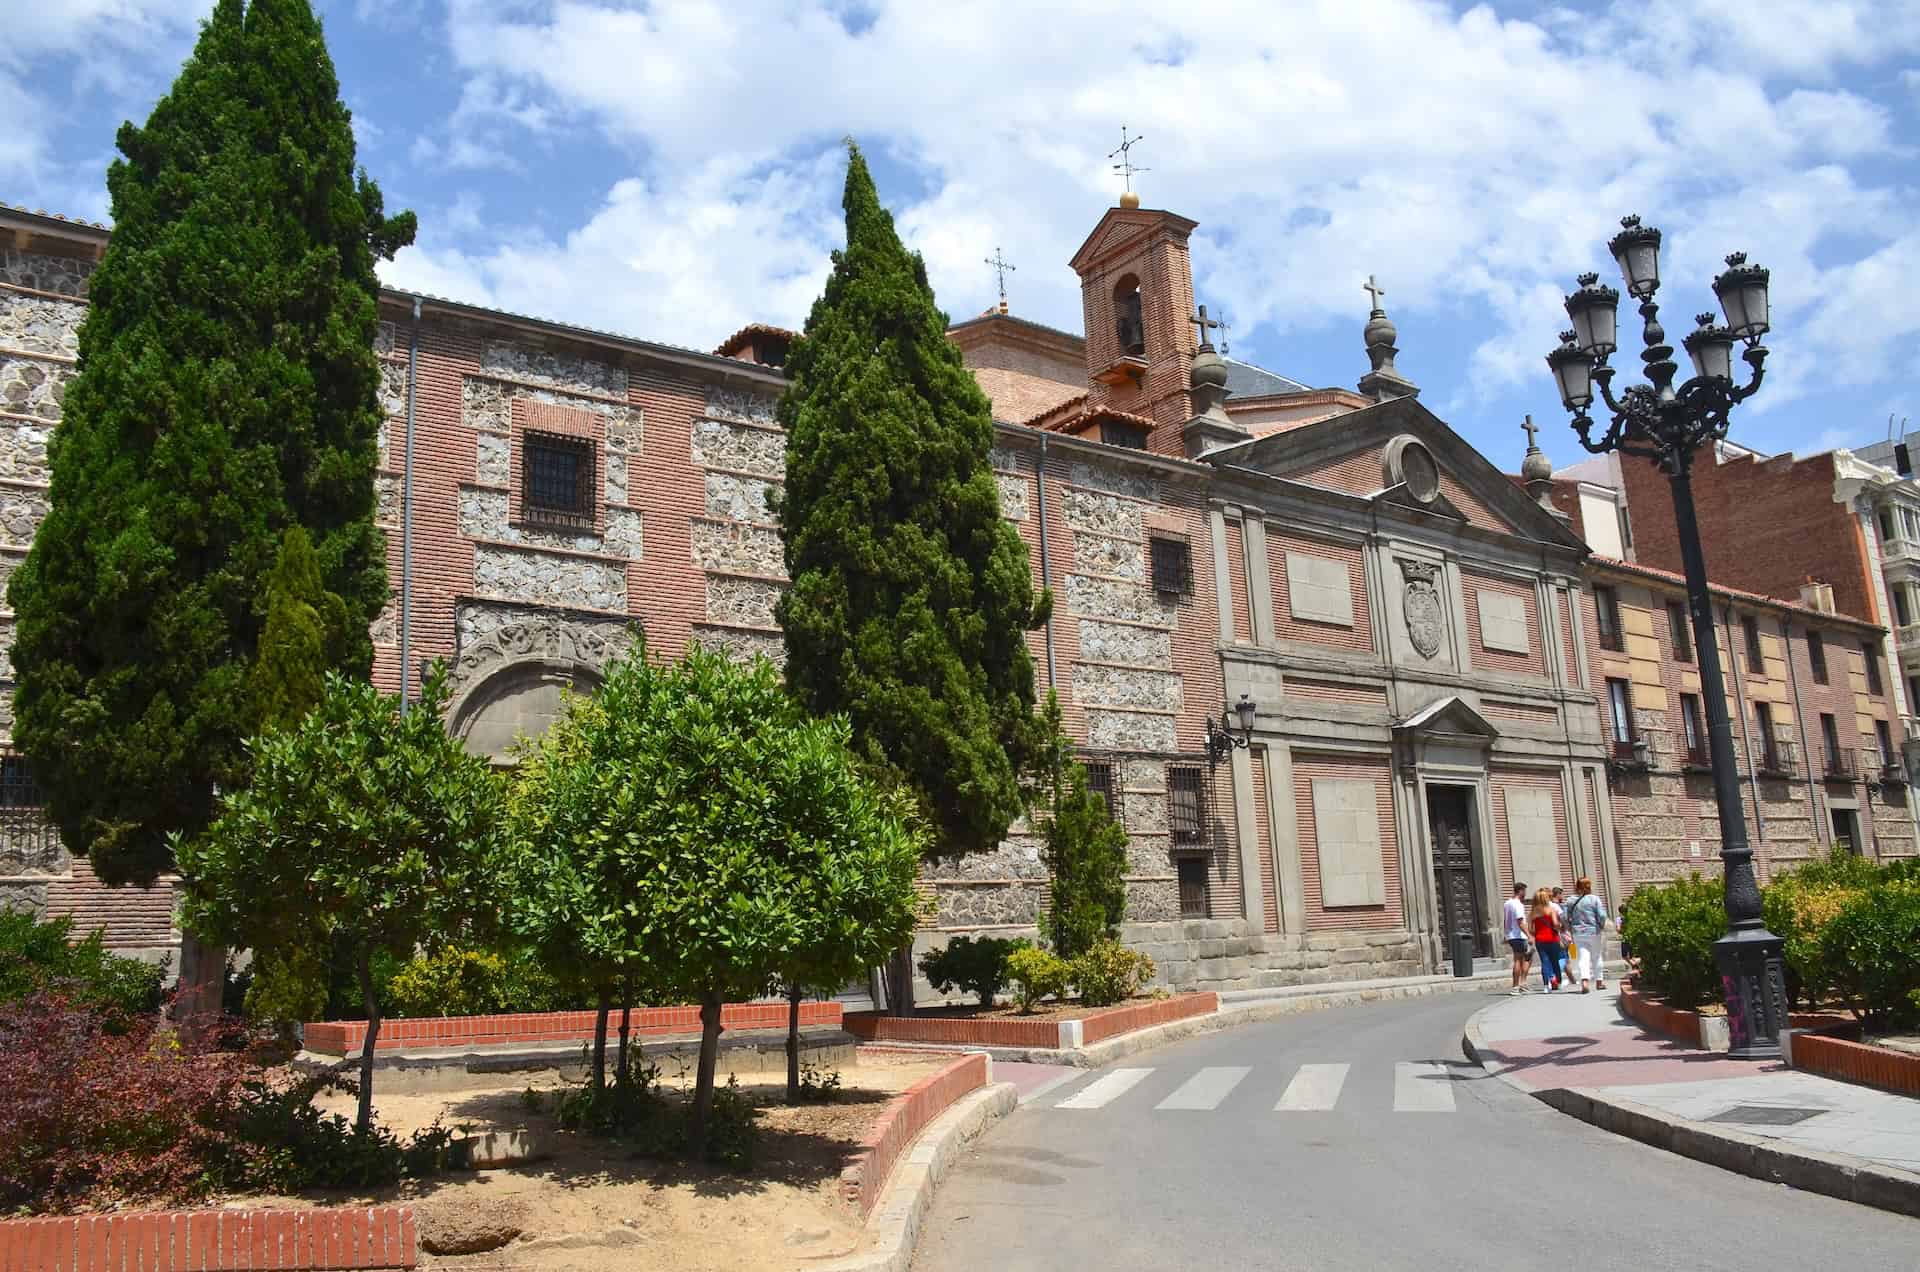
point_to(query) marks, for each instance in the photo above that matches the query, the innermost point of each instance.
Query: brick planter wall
(1002, 1032)
(380, 1237)
(338, 1037)
(863, 1180)
(1111, 1024)
(1672, 1022)
(1857, 1062)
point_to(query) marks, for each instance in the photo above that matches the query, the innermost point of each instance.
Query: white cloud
(1469, 161)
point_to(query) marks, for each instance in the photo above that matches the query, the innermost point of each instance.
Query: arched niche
(1129, 325)
(519, 699)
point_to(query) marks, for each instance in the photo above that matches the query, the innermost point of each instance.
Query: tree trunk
(600, 1039)
(794, 994)
(900, 981)
(196, 998)
(365, 969)
(626, 1021)
(703, 1083)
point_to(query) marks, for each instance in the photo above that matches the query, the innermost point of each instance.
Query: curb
(895, 1221)
(1810, 1170)
(1230, 1015)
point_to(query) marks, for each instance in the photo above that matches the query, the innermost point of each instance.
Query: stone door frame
(1467, 793)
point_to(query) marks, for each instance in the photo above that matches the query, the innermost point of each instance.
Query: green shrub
(1037, 974)
(1086, 853)
(633, 1110)
(1110, 973)
(38, 957)
(1672, 928)
(1873, 950)
(1905, 870)
(468, 982)
(976, 965)
(1797, 908)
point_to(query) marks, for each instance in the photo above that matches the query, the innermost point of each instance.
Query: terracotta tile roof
(732, 344)
(51, 216)
(1734, 593)
(1076, 420)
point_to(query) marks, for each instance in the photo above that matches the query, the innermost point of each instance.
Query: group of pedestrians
(1569, 938)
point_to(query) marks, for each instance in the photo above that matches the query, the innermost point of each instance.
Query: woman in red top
(1543, 923)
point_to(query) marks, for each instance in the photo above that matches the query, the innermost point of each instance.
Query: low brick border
(1671, 1022)
(339, 1037)
(1860, 1062)
(378, 1237)
(864, 1178)
(1048, 1034)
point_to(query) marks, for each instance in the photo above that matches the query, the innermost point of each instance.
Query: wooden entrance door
(1456, 883)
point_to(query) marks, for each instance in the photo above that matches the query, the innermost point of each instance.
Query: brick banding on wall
(376, 1237)
(338, 1037)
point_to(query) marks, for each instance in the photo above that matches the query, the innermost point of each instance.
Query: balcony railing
(1777, 758)
(1888, 770)
(1632, 753)
(1840, 764)
(1906, 636)
(1694, 757)
(1613, 638)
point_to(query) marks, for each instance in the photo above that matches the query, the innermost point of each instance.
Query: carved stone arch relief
(510, 683)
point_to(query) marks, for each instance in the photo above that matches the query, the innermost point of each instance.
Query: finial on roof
(1537, 470)
(1384, 380)
(1127, 167)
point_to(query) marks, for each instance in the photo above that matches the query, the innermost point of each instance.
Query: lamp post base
(1753, 976)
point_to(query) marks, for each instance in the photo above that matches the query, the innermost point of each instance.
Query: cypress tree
(227, 390)
(291, 673)
(910, 596)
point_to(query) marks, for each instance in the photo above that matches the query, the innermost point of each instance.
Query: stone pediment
(1450, 718)
(1399, 454)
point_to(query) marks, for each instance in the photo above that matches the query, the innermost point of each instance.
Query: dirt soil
(1007, 1011)
(590, 1204)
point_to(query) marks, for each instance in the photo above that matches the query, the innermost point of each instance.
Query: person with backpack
(1544, 923)
(1587, 924)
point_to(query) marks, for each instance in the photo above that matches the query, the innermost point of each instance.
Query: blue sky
(672, 170)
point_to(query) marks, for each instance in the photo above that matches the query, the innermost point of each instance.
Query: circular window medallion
(1408, 462)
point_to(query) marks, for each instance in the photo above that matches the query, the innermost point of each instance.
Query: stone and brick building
(1417, 631)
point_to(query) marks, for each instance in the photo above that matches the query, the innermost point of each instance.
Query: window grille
(1120, 433)
(557, 483)
(1187, 813)
(27, 840)
(1172, 567)
(1193, 887)
(1100, 782)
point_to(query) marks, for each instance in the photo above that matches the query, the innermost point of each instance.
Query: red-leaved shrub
(90, 1116)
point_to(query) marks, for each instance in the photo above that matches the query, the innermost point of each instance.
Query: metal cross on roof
(1127, 167)
(1002, 269)
(1376, 291)
(1206, 326)
(1530, 428)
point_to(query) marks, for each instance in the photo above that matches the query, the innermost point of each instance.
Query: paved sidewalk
(1581, 1054)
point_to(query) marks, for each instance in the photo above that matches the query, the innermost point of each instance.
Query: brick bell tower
(1136, 292)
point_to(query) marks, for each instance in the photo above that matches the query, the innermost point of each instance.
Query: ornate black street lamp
(1666, 425)
(1221, 742)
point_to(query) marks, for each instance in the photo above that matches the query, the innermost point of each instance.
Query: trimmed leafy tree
(911, 596)
(360, 824)
(227, 390)
(698, 831)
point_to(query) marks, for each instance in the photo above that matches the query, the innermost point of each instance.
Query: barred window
(1121, 433)
(17, 787)
(1187, 805)
(1100, 782)
(557, 476)
(1193, 887)
(1172, 566)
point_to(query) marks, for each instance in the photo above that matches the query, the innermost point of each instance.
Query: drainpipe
(1793, 683)
(1746, 722)
(406, 519)
(1046, 576)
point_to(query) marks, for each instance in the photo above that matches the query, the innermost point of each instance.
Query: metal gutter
(406, 519)
(1046, 576)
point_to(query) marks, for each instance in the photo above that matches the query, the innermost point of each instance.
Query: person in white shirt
(1515, 925)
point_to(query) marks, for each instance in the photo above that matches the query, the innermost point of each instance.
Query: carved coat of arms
(1421, 605)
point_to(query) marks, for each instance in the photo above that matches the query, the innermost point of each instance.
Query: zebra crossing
(1418, 1086)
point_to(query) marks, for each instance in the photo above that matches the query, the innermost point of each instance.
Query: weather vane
(1127, 167)
(1001, 268)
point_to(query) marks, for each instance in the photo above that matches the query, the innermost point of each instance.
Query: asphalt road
(1391, 1152)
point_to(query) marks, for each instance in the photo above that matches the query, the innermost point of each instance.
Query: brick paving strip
(376, 1237)
(1580, 1054)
